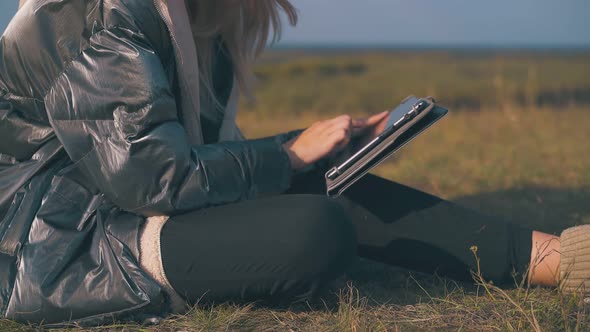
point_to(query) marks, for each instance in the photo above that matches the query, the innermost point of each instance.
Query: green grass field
(516, 144)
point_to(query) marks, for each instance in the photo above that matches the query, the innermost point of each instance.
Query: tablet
(401, 115)
(408, 120)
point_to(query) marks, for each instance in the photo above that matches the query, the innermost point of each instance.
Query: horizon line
(433, 46)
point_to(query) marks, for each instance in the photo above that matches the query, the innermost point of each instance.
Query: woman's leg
(402, 226)
(545, 259)
(270, 248)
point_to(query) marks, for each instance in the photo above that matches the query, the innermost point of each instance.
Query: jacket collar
(174, 13)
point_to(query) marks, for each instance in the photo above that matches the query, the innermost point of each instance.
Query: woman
(126, 188)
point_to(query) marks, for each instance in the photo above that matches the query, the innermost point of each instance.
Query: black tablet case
(388, 146)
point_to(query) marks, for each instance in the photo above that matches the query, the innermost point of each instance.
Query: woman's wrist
(296, 162)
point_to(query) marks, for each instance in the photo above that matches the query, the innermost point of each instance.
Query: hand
(323, 138)
(367, 129)
(363, 131)
(329, 137)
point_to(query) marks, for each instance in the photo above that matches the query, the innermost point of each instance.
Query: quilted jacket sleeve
(114, 112)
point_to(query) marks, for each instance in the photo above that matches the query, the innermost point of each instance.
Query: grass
(524, 161)
(294, 83)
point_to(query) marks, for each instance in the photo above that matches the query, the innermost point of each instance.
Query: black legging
(289, 245)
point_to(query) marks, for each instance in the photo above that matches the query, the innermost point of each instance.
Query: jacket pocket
(24, 207)
(68, 205)
(6, 161)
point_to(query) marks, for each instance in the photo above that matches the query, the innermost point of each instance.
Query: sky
(430, 22)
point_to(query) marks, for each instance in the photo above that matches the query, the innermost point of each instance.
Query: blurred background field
(515, 143)
(328, 82)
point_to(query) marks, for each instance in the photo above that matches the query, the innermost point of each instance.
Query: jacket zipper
(169, 26)
(6, 223)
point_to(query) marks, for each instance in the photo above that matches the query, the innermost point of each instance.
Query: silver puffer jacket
(99, 129)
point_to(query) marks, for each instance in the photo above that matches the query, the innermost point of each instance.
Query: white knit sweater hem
(150, 260)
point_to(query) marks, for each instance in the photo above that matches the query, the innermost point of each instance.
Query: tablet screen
(349, 156)
(400, 111)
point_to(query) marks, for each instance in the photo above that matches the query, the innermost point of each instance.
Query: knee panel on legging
(324, 236)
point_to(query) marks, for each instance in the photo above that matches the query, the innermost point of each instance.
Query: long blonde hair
(244, 26)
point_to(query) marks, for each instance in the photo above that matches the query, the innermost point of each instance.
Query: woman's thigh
(263, 248)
